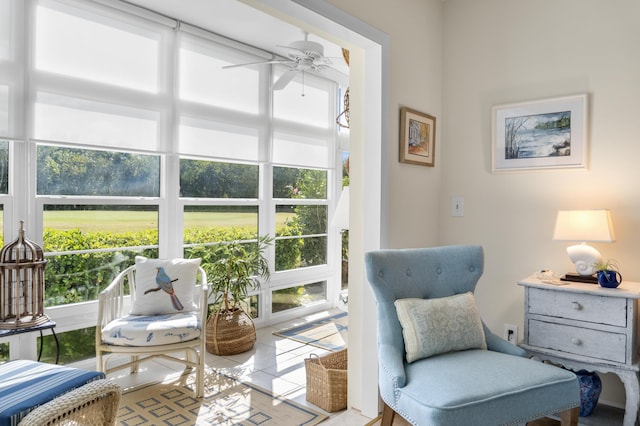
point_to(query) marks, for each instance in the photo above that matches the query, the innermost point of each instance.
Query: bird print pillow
(164, 286)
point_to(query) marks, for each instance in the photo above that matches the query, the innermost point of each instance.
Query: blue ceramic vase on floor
(590, 388)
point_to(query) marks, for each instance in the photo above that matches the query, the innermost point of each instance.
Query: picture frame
(538, 135)
(417, 137)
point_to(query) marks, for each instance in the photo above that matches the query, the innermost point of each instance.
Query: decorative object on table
(327, 380)
(238, 270)
(608, 274)
(590, 388)
(417, 137)
(22, 266)
(584, 226)
(544, 134)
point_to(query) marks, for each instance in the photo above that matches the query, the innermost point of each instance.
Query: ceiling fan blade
(285, 61)
(284, 79)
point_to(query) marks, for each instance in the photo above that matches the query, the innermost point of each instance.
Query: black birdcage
(22, 284)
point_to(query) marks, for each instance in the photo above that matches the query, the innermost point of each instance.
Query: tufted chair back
(424, 273)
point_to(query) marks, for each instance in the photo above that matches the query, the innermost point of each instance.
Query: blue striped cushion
(24, 385)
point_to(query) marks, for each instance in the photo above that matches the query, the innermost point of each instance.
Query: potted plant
(238, 270)
(608, 274)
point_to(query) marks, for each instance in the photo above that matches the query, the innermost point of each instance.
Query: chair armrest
(498, 344)
(111, 300)
(391, 361)
(203, 305)
(203, 296)
(93, 403)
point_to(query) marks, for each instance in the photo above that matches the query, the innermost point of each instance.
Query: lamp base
(576, 278)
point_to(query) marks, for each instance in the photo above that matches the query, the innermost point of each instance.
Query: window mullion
(171, 226)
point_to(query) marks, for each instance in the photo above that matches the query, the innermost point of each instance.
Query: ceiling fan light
(308, 48)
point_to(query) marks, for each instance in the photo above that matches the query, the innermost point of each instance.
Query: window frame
(23, 202)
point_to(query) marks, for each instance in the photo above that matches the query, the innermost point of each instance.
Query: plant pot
(608, 278)
(230, 332)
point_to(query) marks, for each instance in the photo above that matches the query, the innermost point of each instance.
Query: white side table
(585, 326)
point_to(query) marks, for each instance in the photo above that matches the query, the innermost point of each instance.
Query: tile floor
(275, 363)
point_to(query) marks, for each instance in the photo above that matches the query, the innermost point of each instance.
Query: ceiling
(241, 22)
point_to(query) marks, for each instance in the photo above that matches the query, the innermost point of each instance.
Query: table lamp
(583, 226)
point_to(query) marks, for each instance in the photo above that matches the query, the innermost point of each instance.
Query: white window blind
(76, 44)
(296, 149)
(202, 78)
(303, 129)
(306, 99)
(68, 119)
(11, 68)
(215, 139)
(5, 30)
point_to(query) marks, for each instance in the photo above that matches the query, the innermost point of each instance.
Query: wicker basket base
(230, 333)
(327, 380)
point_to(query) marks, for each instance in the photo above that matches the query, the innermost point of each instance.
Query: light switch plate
(457, 206)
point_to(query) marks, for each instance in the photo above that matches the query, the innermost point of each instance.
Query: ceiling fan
(303, 55)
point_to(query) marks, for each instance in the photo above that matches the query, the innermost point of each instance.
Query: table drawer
(577, 340)
(578, 306)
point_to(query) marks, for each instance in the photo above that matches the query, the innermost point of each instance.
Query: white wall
(410, 216)
(503, 51)
(415, 30)
(496, 52)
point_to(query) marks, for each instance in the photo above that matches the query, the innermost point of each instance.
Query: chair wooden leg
(387, 415)
(570, 417)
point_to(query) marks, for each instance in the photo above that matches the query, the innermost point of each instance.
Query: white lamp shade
(583, 226)
(341, 215)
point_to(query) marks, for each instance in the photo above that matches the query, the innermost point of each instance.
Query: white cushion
(151, 300)
(435, 326)
(142, 330)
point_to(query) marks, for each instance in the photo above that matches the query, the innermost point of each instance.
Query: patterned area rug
(227, 402)
(328, 333)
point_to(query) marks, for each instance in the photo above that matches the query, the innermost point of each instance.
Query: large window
(137, 139)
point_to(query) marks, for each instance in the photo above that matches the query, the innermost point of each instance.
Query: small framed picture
(417, 137)
(538, 135)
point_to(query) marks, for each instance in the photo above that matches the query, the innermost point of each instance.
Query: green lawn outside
(128, 221)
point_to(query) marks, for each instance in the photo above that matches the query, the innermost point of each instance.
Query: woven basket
(230, 332)
(327, 380)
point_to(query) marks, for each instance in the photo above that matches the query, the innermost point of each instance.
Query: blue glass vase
(590, 388)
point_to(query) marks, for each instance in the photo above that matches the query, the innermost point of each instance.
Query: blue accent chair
(497, 386)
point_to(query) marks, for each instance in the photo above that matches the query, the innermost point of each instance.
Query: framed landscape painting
(538, 135)
(417, 137)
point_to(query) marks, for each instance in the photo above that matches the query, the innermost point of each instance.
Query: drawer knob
(576, 306)
(576, 341)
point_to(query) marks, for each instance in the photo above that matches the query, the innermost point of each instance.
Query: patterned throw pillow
(164, 286)
(435, 326)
